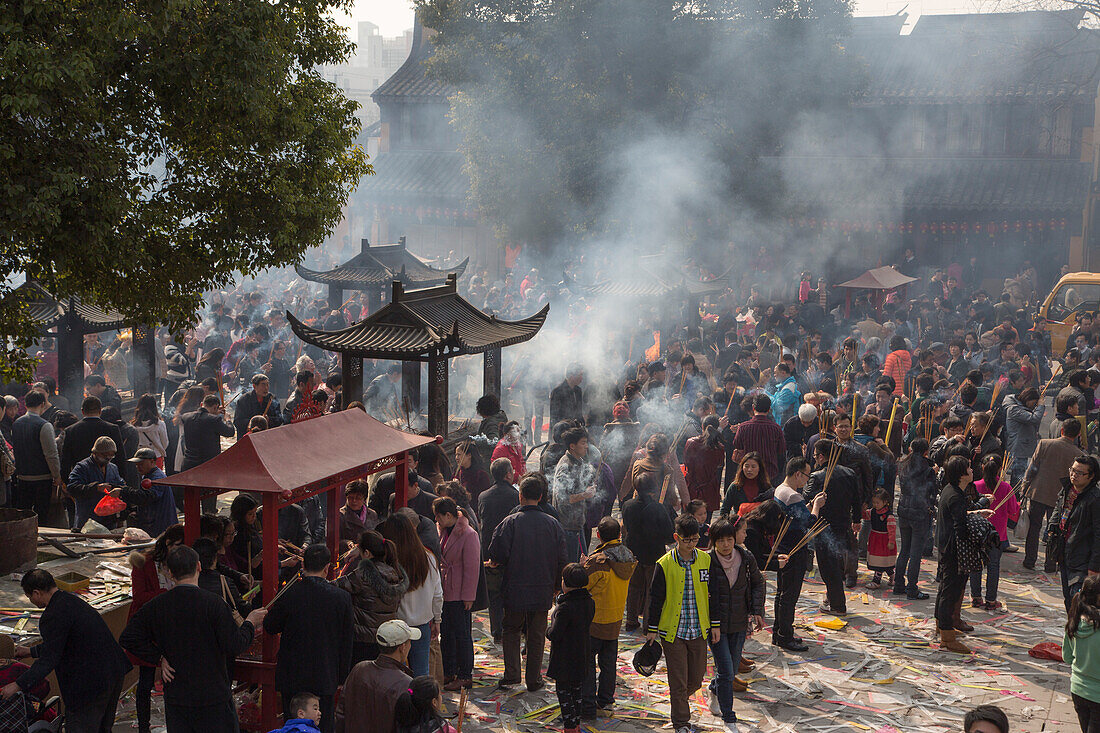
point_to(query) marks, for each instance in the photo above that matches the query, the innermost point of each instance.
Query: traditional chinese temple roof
(417, 175)
(652, 276)
(419, 324)
(998, 57)
(48, 311)
(880, 278)
(980, 185)
(381, 264)
(411, 81)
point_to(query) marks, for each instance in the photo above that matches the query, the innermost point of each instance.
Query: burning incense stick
(284, 589)
(783, 527)
(819, 526)
(890, 427)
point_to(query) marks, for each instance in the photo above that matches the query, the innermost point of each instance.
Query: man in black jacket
(647, 531)
(191, 633)
(529, 547)
(80, 438)
(1079, 530)
(843, 510)
(96, 386)
(204, 428)
(316, 621)
(259, 401)
(79, 648)
(566, 400)
(493, 505)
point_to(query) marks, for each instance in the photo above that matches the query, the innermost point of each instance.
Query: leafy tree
(149, 150)
(559, 102)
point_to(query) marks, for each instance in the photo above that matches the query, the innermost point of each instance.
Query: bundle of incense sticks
(284, 589)
(834, 457)
(890, 426)
(783, 527)
(927, 409)
(819, 527)
(461, 709)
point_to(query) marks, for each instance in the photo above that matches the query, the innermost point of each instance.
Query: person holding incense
(1005, 508)
(191, 632)
(842, 514)
(315, 620)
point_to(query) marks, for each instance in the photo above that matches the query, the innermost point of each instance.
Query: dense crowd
(708, 444)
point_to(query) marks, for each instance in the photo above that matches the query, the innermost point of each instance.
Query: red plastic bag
(109, 505)
(1046, 650)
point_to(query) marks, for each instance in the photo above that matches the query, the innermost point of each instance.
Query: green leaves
(150, 150)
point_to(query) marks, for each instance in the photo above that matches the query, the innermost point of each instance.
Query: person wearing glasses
(791, 569)
(679, 612)
(1073, 535)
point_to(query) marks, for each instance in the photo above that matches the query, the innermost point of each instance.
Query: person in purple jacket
(460, 570)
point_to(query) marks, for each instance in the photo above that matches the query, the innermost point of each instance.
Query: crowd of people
(744, 437)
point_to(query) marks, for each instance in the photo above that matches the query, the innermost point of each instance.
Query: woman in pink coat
(1005, 507)
(511, 447)
(460, 571)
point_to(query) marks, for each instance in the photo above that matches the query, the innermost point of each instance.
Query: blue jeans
(727, 659)
(912, 537)
(993, 576)
(420, 653)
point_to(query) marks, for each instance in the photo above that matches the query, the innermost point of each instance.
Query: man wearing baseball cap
(372, 688)
(155, 504)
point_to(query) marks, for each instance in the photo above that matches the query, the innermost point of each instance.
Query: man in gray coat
(1023, 414)
(1049, 465)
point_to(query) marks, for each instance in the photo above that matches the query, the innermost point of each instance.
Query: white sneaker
(683, 729)
(715, 707)
(732, 728)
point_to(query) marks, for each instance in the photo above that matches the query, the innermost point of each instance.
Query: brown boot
(950, 642)
(960, 625)
(739, 685)
(747, 665)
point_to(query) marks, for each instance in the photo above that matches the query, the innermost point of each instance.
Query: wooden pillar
(192, 510)
(70, 362)
(270, 645)
(144, 360)
(335, 296)
(410, 386)
(438, 393)
(491, 366)
(332, 497)
(351, 372)
(401, 482)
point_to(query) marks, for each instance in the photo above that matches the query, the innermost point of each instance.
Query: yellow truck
(1075, 294)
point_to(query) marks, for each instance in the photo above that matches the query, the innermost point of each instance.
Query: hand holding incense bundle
(819, 527)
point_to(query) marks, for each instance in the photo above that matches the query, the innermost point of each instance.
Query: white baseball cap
(395, 633)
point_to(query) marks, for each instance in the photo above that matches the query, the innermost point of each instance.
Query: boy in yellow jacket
(609, 569)
(679, 611)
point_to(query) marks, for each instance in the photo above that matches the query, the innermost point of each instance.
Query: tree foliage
(150, 150)
(554, 97)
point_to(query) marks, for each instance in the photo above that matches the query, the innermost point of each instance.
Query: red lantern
(965, 227)
(1019, 225)
(1063, 223)
(935, 227)
(1029, 225)
(890, 227)
(1042, 224)
(977, 227)
(910, 227)
(923, 227)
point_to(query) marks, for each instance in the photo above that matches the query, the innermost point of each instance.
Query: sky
(395, 16)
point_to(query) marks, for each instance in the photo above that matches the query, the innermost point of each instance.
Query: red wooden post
(333, 538)
(191, 515)
(401, 481)
(268, 707)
